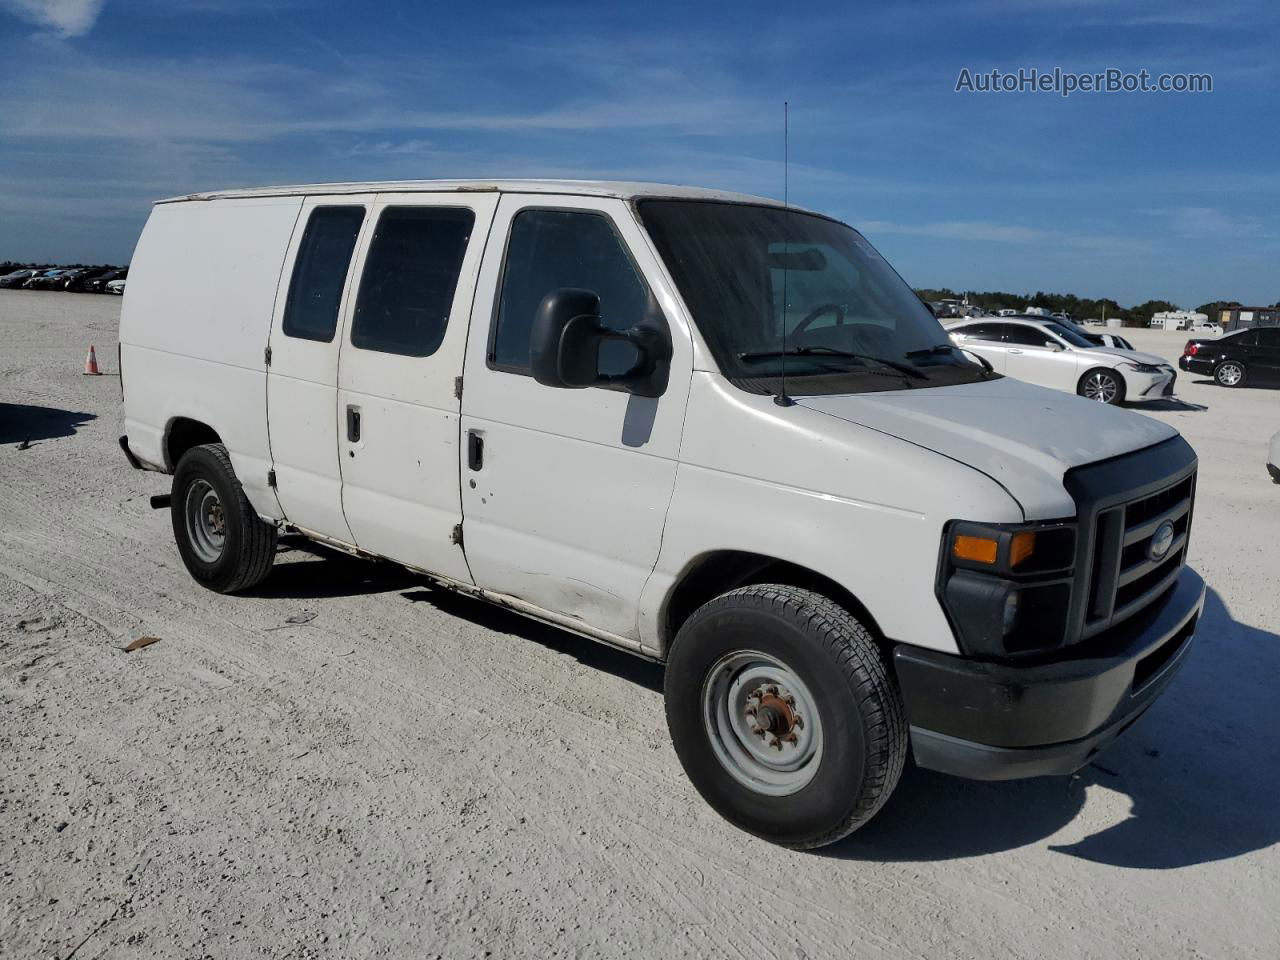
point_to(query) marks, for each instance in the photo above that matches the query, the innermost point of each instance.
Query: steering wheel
(818, 311)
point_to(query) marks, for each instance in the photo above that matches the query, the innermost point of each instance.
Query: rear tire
(224, 544)
(1229, 373)
(784, 714)
(1102, 386)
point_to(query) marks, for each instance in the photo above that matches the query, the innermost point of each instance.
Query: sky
(108, 105)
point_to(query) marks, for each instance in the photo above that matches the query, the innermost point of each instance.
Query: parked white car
(1207, 329)
(1051, 354)
(589, 403)
(116, 287)
(1273, 457)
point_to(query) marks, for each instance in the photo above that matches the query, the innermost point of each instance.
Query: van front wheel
(224, 544)
(784, 715)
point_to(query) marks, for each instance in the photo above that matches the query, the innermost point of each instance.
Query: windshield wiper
(935, 350)
(906, 369)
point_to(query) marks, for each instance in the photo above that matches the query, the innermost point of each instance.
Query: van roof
(586, 188)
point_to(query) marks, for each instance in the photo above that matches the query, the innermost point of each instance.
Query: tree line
(1082, 308)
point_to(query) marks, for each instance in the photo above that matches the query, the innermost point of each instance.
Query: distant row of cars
(75, 279)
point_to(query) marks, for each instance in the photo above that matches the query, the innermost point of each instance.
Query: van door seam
(266, 371)
(466, 351)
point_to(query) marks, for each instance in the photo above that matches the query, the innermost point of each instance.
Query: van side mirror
(567, 335)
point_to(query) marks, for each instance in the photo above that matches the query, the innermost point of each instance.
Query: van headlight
(1006, 588)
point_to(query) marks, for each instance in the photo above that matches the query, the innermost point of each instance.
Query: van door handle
(475, 450)
(353, 424)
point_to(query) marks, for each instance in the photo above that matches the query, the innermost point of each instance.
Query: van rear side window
(320, 271)
(409, 279)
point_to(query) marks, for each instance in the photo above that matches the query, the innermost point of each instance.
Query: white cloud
(1093, 243)
(962, 230)
(69, 18)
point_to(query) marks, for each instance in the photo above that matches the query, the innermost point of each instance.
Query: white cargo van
(698, 426)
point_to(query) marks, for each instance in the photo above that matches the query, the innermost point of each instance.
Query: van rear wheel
(224, 544)
(784, 714)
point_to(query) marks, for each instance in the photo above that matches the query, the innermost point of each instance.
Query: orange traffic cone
(91, 364)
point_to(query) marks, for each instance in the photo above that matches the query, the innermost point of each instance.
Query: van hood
(1022, 436)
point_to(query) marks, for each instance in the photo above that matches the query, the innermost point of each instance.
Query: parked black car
(17, 278)
(47, 279)
(99, 284)
(1245, 356)
(78, 282)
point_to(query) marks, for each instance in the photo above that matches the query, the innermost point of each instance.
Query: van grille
(1125, 578)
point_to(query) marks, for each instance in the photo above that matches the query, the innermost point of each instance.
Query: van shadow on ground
(25, 423)
(1201, 771)
(589, 653)
(306, 570)
(332, 573)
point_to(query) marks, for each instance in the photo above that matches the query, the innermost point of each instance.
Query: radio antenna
(783, 399)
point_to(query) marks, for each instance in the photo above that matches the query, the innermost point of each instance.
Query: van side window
(409, 279)
(551, 249)
(319, 272)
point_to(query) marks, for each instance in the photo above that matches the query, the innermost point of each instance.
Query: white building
(1177, 319)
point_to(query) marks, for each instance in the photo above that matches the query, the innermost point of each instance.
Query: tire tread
(257, 541)
(857, 655)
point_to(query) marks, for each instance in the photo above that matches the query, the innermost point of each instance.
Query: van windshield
(770, 288)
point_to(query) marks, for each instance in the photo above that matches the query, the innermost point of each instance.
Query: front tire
(784, 714)
(1229, 373)
(1102, 386)
(224, 544)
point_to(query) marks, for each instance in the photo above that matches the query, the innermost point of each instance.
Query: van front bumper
(998, 721)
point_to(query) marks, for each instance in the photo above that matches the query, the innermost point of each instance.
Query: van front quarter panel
(851, 504)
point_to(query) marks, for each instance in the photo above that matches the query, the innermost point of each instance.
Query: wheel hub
(762, 723)
(206, 521)
(215, 520)
(772, 716)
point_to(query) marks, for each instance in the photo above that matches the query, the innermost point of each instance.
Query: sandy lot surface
(348, 763)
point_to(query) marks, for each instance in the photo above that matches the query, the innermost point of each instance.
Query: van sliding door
(401, 355)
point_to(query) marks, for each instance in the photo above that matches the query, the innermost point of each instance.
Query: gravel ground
(350, 763)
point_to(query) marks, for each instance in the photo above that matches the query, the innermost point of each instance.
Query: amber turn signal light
(1021, 546)
(975, 549)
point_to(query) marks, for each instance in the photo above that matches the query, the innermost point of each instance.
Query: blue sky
(108, 106)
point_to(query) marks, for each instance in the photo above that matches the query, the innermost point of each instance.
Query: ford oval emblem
(1161, 541)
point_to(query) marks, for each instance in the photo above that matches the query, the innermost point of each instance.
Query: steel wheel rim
(739, 691)
(1230, 374)
(1100, 387)
(206, 523)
